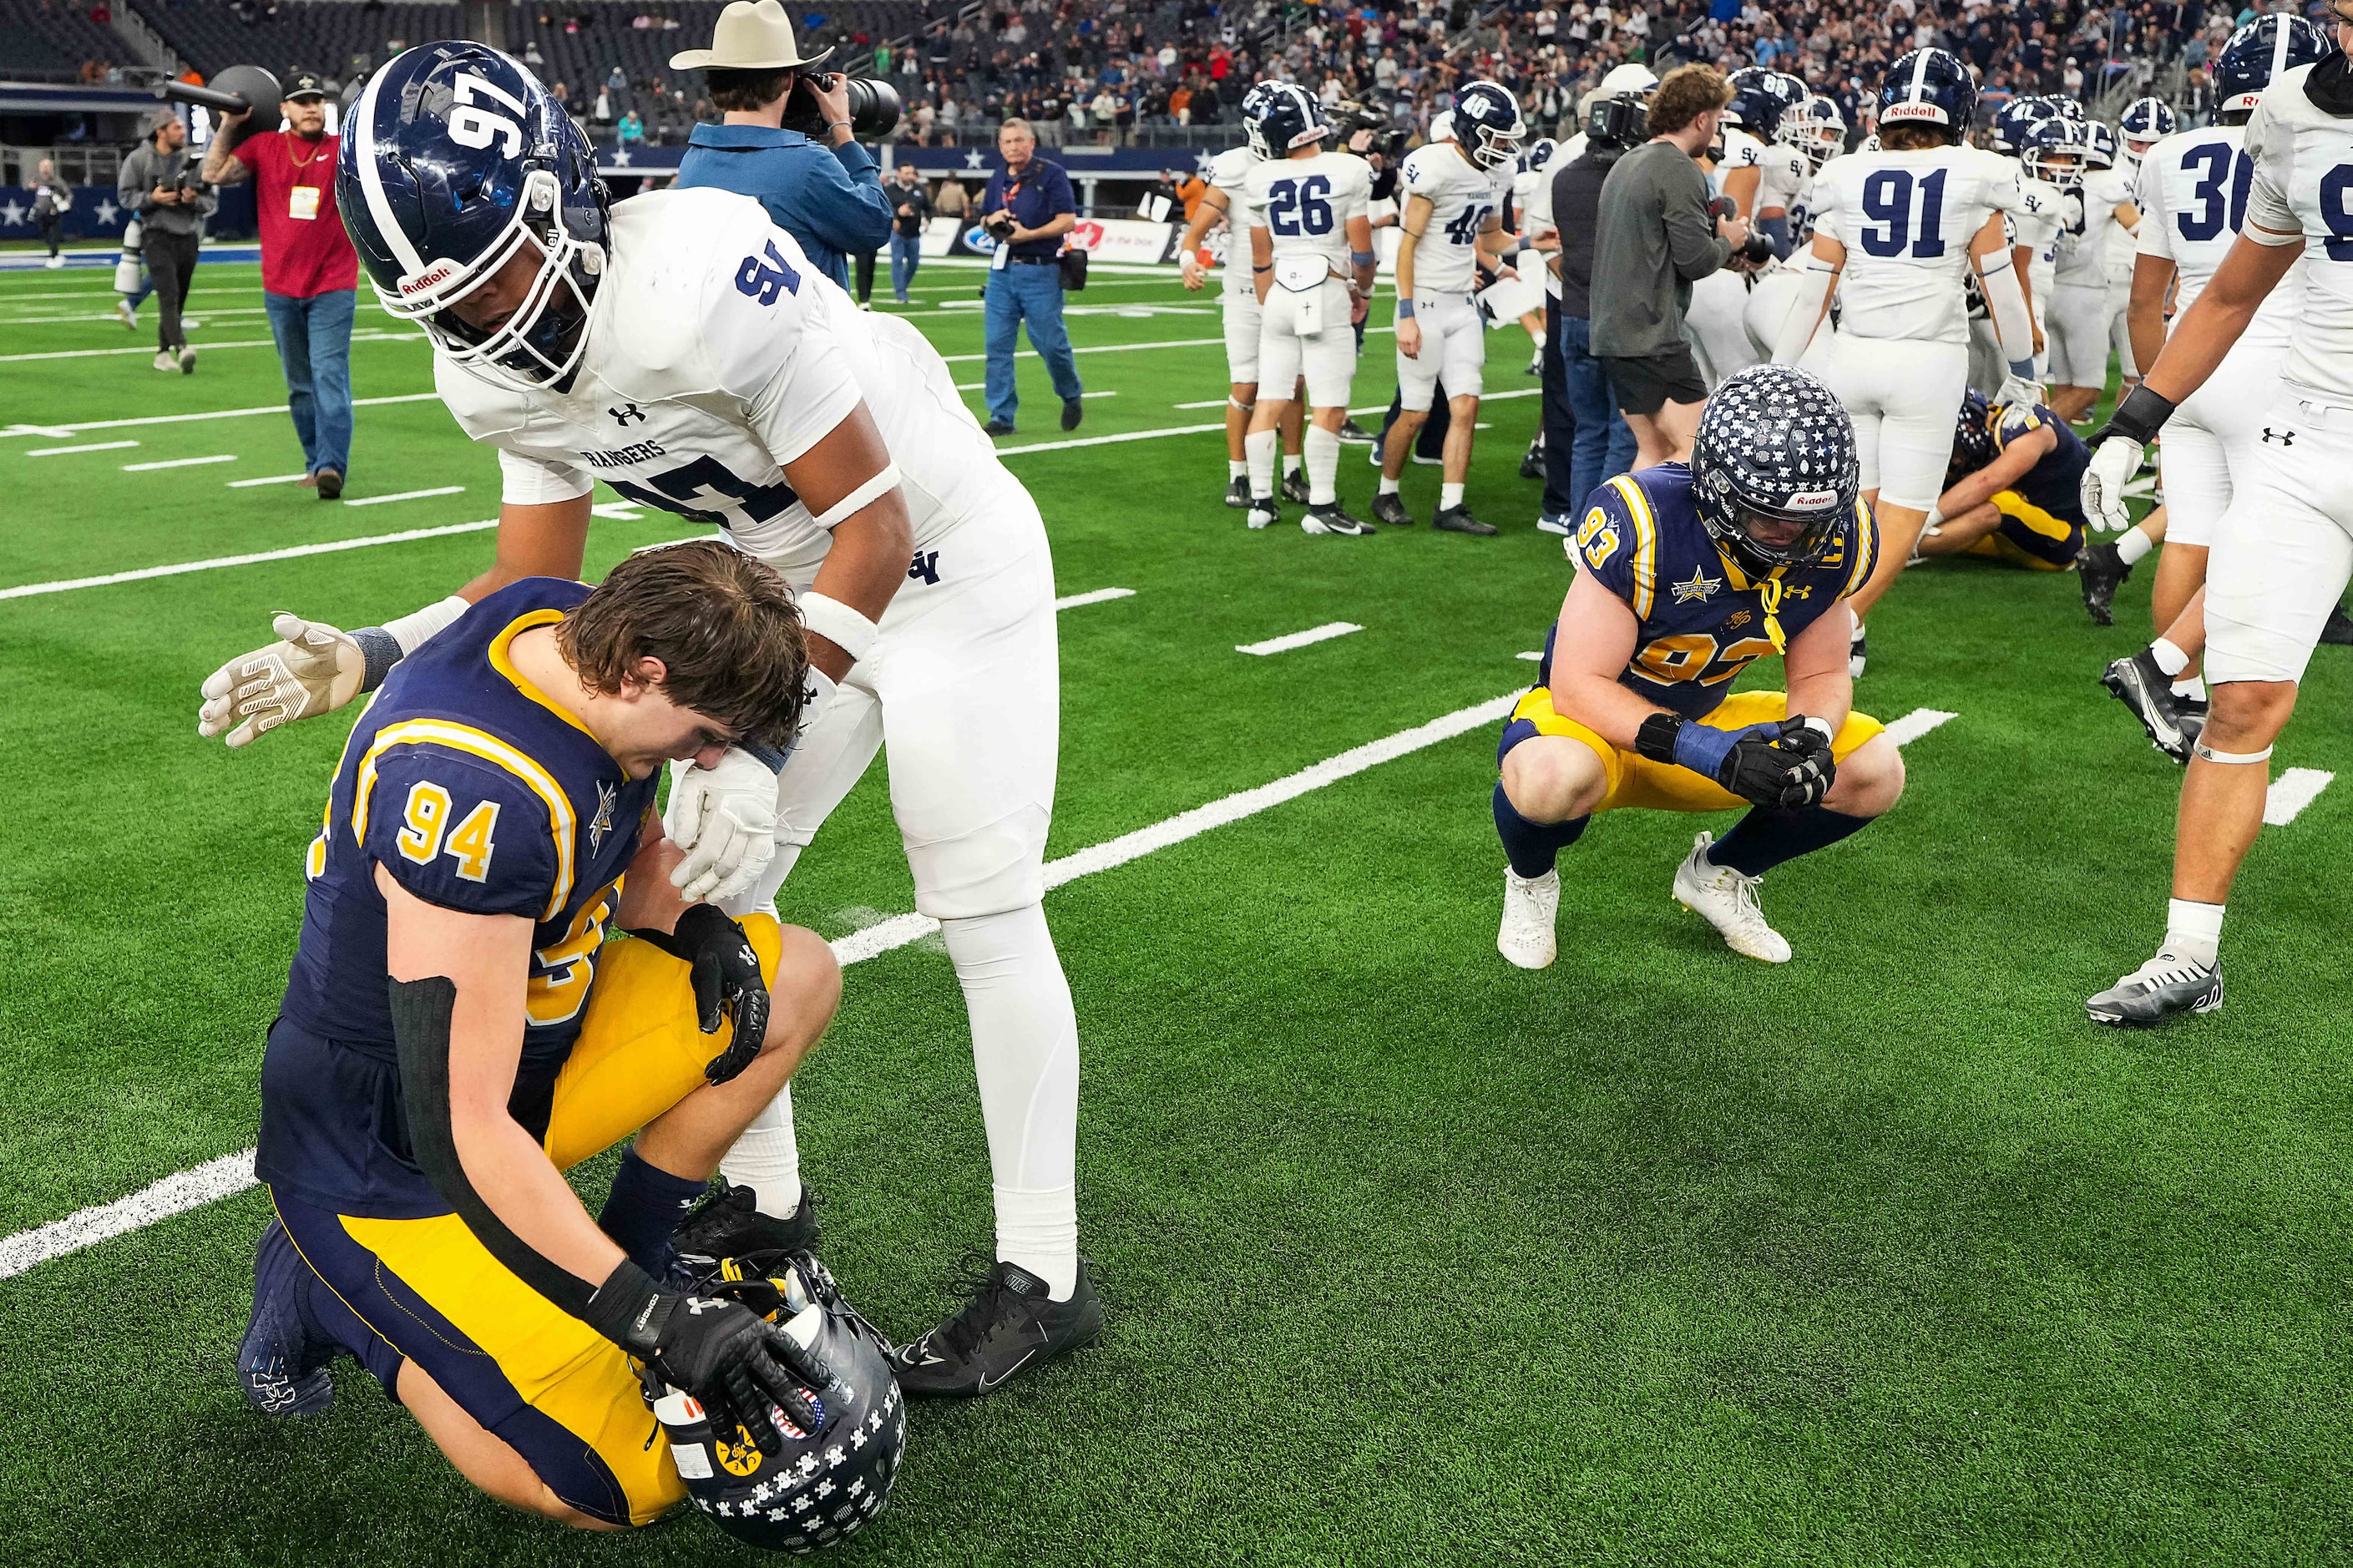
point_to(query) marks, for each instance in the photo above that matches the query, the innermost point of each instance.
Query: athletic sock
(2169, 658)
(1236, 470)
(1291, 461)
(1323, 466)
(1532, 848)
(2131, 545)
(1449, 496)
(767, 1158)
(2192, 687)
(1258, 446)
(1389, 485)
(2193, 929)
(1768, 836)
(644, 1208)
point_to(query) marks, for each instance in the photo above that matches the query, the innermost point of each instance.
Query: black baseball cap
(306, 84)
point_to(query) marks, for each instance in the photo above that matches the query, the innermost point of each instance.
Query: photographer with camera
(172, 201)
(1027, 207)
(788, 140)
(1656, 235)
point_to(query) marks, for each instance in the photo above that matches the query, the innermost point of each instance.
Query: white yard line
(329, 547)
(1290, 640)
(179, 463)
(233, 1173)
(93, 446)
(1916, 723)
(2291, 792)
(205, 348)
(1099, 596)
(1533, 656)
(272, 479)
(191, 418)
(407, 495)
(1107, 440)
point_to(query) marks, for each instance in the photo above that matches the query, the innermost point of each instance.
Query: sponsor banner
(1103, 239)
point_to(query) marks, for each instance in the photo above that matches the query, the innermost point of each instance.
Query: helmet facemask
(540, 342)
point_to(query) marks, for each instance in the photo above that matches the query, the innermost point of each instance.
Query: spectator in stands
(156, 182)
(310, 274)
(910, 208)
(1028, 207)
(830, 201)
(52, 199)
(631, 130)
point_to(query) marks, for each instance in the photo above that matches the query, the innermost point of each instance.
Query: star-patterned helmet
(826, 1485)
(1773, 472)
(1973, 446)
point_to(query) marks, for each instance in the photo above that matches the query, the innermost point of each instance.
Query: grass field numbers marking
(2291, 792)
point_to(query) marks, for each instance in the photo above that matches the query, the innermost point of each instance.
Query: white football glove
(2114, 463)
(2016, 392)
(311, 669)
(725, 820)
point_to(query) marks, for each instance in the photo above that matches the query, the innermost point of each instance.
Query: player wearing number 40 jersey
(679, 347)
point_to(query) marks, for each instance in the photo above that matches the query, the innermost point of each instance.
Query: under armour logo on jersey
(925, 565)
(763, 281)
(626, 412)
(2284, 437)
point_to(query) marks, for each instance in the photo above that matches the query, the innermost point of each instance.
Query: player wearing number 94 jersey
(1687, 576)
(679, 347)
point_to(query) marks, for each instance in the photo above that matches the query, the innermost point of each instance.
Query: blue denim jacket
(828, 198)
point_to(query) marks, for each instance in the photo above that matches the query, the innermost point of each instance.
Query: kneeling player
(456, 1033)
(1689, 574)
(2013, 489)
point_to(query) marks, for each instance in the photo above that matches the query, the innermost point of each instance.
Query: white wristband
(848, 506)
(413, 630)
(839, 625)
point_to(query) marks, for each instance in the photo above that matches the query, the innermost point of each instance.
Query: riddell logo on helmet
(439, 273)
(1811, 500)
(1912, 112)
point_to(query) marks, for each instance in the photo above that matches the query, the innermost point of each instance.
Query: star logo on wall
(12, 213)
(107, 213)
(973, 160)
(620, 157)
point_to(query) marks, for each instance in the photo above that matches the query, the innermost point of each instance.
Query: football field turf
(1662, 1255)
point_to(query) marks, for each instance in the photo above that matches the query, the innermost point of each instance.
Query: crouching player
(2013, 492)
(1688, 576)
(456, 1033)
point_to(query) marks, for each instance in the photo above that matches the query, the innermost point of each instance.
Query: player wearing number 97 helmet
(1686, 576)
(679, 348)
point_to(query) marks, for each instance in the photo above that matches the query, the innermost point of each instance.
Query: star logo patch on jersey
(1699, 586)
(607, 798)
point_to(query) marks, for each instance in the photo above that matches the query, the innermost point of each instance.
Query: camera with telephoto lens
(874, 107)
(1758, 247)
(1621, 121)
(1350, 118)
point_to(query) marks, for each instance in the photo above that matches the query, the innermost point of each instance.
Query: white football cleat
(1529, 906)
(1728, 900)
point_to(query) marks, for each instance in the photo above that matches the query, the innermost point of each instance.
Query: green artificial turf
(1659, 1255)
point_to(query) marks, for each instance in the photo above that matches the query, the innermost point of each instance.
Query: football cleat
(1728, 901)
(282, 1362)
(1293, 488)
(1535, 365)
(2141, 685)
(1458, 519)
(2165, 987)
(1856, 653)
(1530, 904)
(1007, 1326)
(2339, 628)
(1354, 433)
(2100, 570)
(1333, 518)
(1390, 509)
(1559, 523)
(1532, 461)
(1262, 512)
(1238, 494)
(728, 1223)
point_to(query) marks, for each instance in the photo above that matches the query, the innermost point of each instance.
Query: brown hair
(723, 625)
(1913, 137)
(1683, 95)
(745, 91)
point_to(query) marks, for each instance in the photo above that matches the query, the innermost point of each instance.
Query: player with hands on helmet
(1686, 576)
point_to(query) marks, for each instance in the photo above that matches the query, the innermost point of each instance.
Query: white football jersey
(2036, 223)
(1785, 177)
(2193, 193)
(1462, 199)
(1227, 171)
(2090, 218)
(1536, 217)
(716, 356)
(2122, 246)
(2300, 155)
(1807, 209)
(1741, 151)
(1304, 204)
(1907, 220)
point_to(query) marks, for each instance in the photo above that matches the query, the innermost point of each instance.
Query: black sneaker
(2100, 570)
(282, 1362)
(1390, 509)
(2339, 628)
(1072, 412)
(1006, 1326)
(2141, 685)
(1532, 461)
(728, 1224)
(1238, 494)
(997, 427)
(1294, 489)
(2167, 986)
(1333, 518)
(1354, 434)
(1458, 519)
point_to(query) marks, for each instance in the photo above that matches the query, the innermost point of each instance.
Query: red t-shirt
(305, 250)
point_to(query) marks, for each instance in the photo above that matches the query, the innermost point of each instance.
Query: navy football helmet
(1817, 129)
(1760, 98)
(2147, 119)
(1278, 116)
(455, 162)
(2258, 54)
(1538, 154)
(1488, 125)
(1928, 87)
(1774, 471)
(2057, 152)
(2103, 146)
(1973, 446)
(2013, 120)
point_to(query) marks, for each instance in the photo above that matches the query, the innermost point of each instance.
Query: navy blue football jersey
(2055, 483)
(1703, 618)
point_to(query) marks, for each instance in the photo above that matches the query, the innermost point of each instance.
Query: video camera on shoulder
(1621, 121)
(875, 106)
(1350, 118)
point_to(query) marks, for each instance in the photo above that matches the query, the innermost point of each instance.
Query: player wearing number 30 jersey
(680, 347)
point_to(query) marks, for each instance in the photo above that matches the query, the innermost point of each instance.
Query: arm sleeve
(845, 206)
(460, 829)
(535, 482)
(2013, 328)
(1805, 318)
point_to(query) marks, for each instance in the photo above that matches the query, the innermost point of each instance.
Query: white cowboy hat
(752, 34)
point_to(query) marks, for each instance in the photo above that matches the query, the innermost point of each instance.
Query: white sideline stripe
(179, 463)
(408, 495)
(1099, 596)
(272, 479)
(233, 1173)
(1285, 643)
(93, 446)
(1916, 723)
(208, 348)
(1207, 403)
(2291, 792)
(189, 419)
(1131, 348)
(1108, 440)
(328, 547)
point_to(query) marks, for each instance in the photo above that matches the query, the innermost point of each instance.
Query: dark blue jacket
(828, 198)
(1042, 192)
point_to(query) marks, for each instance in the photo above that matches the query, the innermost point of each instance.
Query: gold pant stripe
(1635, 781)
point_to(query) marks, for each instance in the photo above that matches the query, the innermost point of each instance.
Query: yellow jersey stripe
(1866, 550)
(505, 663)
(474, 742)
(1646, 544)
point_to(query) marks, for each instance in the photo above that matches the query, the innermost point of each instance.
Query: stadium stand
(336, 39)
(58, 40)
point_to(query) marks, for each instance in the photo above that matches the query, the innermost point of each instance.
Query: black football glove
(727, 983)
(1789, 770)
(736, 1364)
